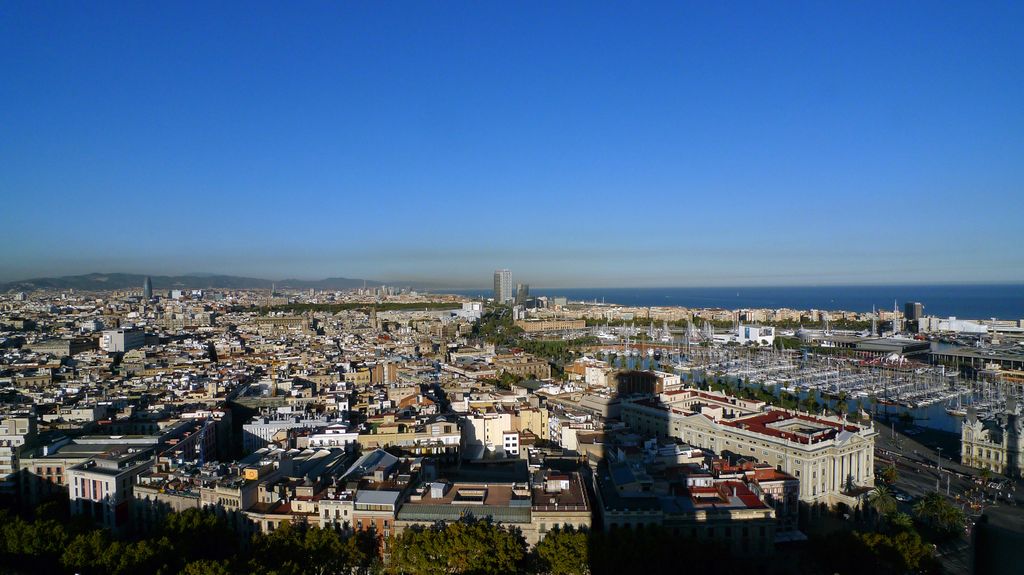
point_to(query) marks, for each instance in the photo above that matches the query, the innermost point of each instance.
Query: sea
(969, 301)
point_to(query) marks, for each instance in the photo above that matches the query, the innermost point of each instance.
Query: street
(922, 458)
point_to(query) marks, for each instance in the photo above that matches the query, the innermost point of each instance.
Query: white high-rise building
(503, 286)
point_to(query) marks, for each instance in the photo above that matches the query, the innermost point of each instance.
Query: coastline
(973, 301)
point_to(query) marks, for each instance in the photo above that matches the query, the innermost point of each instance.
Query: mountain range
(120, 281)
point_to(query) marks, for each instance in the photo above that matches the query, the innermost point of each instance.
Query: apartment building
(538, 325)
(534, 506)
(15, 434)
(438, 436)
(102, 488)
(523, 365)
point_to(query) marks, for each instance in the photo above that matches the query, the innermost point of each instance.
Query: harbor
(931, 395)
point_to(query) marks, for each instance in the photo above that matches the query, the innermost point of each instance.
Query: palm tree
(841, 405)
(881, 500)
(940, 514)
(900, 521)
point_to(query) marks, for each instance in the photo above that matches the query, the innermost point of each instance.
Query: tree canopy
(467, 546)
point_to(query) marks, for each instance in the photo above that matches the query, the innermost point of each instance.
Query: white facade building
(115, 340)
(336, 435)
(102, 488)
(503, 286)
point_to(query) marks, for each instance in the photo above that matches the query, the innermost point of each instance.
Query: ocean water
(976, 301)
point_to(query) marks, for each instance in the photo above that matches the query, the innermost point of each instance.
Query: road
(923, 461)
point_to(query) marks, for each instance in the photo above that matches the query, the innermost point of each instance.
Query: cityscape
(541, 288)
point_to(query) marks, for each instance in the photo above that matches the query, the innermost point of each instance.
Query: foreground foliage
(192, 542)
(198, 543)
(460, 547)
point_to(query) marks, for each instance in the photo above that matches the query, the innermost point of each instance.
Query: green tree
(199, 534)
(145, 556)
(466, 546)
(842, 407)
(35, 545)
(937, 513)
(881, 500)
(563, 552)
(903, 552)
(810, 404)
(207, 567)
(899, 521)
(86, 553)
(295, 550)
(890, 475)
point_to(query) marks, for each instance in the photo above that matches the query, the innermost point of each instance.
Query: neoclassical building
(995, 443)
(833, 458)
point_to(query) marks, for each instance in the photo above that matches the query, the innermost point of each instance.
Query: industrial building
(878, 346)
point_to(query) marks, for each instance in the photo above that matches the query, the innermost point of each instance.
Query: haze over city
(580, 143)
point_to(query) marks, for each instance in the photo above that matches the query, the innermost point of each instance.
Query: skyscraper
(522, 293)
(913, 313)
(913, 310)
(147, 288)
(502, 286)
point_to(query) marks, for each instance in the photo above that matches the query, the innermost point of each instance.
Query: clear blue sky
(580, 144)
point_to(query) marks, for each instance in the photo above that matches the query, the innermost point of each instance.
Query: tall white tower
(503, 286)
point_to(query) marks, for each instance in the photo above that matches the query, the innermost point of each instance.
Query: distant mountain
(328, 284)
(117, 281)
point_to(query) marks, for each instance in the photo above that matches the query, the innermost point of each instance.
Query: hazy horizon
(439, 283)
(578, 144)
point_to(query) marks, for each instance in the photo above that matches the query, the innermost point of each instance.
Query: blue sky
(578, 143)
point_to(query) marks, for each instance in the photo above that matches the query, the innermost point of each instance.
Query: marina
(931, 394)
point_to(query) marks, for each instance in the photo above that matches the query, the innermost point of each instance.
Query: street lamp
(938, 467)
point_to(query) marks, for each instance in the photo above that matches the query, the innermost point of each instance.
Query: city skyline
(512, 287)
(581, 145)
